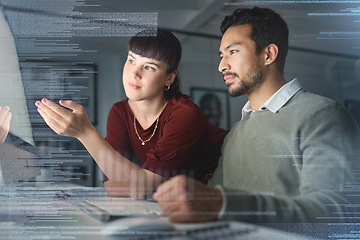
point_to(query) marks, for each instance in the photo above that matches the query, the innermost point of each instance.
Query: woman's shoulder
(183, 102)
(120, 108)
(123, 104)
(183, 106)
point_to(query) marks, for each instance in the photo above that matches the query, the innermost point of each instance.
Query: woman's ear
(271, 53)
(170, 79)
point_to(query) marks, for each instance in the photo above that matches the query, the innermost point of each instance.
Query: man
(288, 159)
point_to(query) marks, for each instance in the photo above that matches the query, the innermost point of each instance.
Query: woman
(154, 134)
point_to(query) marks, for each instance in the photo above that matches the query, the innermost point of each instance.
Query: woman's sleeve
(116, 131)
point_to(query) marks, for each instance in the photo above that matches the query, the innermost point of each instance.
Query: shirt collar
(277, 100)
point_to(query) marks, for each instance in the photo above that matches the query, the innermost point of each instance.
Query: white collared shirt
(277, 100)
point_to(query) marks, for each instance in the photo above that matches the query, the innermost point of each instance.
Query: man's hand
(72, 122)
(5, 118)
(117, 189)
(184, 199)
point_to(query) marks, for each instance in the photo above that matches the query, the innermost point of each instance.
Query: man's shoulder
(307, 105)
(312, 102)
(308, 96)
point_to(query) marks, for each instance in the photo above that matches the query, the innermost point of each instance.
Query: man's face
(239, 63)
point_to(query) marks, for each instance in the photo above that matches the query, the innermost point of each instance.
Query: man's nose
(223, 66)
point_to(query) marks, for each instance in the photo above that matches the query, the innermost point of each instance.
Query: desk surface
(36, 212)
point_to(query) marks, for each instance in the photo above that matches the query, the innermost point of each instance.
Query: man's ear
(271, 53)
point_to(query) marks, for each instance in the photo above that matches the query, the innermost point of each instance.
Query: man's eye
(233, 51)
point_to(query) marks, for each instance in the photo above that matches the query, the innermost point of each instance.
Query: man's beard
(243, 86)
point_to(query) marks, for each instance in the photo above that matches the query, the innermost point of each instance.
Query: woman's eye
(149, 68)
(131, 61)
(233, 51)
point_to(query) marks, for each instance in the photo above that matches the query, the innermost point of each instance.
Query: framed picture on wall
(214, 103)
(353, 106)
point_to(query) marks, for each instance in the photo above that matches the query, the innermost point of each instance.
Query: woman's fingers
(52, 109)
(71, 105)
(68, 118)
(50, 120)
(56, 117)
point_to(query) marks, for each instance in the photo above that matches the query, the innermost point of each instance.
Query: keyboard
(109, 208)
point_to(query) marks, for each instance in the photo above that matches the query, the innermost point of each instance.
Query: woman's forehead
(146, 59)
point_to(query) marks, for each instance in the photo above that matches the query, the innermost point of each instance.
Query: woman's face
(145, 78)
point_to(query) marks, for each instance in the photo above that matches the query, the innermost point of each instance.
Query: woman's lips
(134, 86)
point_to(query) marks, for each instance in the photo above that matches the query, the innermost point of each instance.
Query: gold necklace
(153, 133)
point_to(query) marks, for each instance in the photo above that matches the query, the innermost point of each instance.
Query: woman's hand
(5, 118)
(69, 119)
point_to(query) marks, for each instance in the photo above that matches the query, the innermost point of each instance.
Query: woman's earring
(167, 88)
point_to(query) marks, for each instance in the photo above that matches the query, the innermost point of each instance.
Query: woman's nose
(135, 73)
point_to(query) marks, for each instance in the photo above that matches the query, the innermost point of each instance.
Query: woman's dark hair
(266, 27)
(163, 46)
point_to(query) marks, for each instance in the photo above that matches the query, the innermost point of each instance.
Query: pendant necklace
(154, 131)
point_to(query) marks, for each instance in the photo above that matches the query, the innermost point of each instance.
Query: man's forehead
(234, 35)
